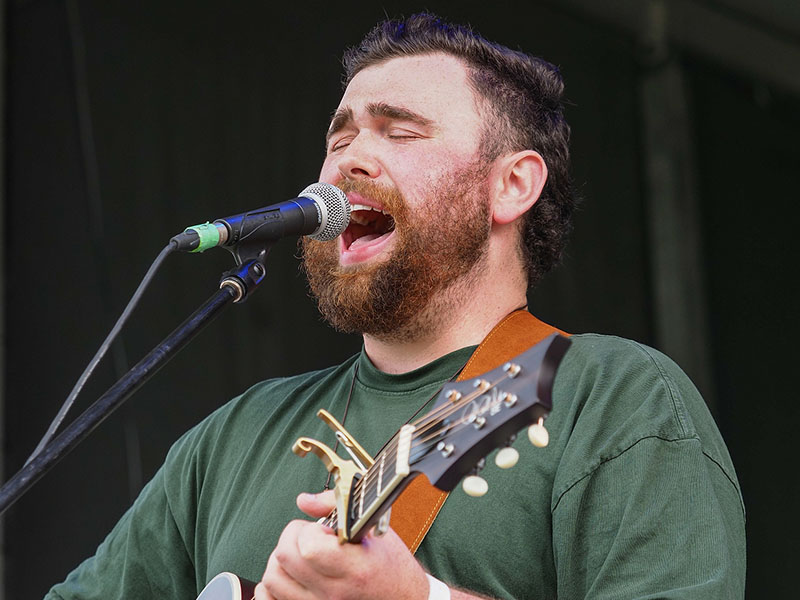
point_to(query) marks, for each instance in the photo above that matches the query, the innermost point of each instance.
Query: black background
(198, 110)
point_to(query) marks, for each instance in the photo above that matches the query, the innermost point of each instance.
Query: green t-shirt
(634, 497)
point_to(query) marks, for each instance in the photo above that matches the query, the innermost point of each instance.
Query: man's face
(404, 146)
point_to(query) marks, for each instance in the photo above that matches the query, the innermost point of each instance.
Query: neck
(451, 324)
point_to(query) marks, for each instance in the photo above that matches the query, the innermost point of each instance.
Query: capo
(344, 472)
(353, 448)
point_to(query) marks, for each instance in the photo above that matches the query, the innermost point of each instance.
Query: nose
(358, 162)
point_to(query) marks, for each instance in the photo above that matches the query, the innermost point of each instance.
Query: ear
(517, 182)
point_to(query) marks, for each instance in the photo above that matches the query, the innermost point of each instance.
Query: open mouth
(367, 225)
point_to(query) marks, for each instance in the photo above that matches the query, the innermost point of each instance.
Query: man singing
(453, 152)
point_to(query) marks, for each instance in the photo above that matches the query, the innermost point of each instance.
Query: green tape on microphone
(209, 236)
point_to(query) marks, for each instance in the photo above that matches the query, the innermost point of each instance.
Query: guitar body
(227, 586)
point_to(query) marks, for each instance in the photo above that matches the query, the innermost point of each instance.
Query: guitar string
(433, 419)
(416, 412)
(454, 427)
(388, 443)
(417, 440)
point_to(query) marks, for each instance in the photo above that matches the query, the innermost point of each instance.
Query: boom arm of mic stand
(236, 285)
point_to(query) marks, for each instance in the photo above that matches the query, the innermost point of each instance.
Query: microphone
(321, 211)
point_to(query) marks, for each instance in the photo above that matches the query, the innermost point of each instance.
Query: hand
(309, 563)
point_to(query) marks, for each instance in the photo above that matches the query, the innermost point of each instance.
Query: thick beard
(402, 297)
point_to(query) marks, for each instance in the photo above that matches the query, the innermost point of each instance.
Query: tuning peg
(475, 486)
(506, 458)
(538, 435)
(512, 369)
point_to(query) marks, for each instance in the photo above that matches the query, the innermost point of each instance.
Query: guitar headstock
(471, 418)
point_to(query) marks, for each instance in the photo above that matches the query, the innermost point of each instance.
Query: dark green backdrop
(128, 121)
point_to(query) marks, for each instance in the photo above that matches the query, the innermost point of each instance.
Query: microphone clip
(243, 279)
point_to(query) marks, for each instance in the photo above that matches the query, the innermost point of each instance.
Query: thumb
(317, 505)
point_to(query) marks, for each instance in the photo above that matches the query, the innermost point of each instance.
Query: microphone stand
(235, 286)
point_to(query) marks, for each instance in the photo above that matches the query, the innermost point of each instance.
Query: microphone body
(321, 211)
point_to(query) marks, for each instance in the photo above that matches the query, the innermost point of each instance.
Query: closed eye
(339, 145)
(403, 134)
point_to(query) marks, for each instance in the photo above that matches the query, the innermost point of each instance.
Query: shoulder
(611, 394)
(608, 357)
(608, 373)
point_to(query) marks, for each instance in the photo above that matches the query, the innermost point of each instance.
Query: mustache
(387, 196)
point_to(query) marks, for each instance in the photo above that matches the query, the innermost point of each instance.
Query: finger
(277, 584)
(317, 505)
(310, 553)
(261, 592)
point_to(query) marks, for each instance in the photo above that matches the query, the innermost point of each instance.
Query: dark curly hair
(521, 98)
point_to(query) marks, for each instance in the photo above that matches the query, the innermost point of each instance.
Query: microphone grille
(334, 210)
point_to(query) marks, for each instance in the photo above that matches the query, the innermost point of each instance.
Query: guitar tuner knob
(506, 457)
(512, 369)
(454, 396)
(475, 486)
(538, 435)
(482, 385)
(510, 400)
(445, 449)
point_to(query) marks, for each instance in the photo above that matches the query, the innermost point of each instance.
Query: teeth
(359, 214)
(356, 207)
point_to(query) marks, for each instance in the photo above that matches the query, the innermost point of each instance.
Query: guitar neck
(377, 487)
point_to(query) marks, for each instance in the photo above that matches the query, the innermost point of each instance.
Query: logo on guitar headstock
(487, 404)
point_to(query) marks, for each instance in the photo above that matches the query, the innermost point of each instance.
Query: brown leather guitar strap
(415, 509)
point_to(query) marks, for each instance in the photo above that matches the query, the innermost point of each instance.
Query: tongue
(365, 239)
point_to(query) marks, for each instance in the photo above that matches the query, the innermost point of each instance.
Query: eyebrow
(344, 116)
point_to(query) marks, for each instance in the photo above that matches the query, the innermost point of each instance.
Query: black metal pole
(236, 286)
